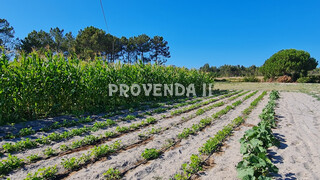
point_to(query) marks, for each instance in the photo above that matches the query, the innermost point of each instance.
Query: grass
(307, 87)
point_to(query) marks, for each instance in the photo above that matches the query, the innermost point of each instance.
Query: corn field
(33, 87)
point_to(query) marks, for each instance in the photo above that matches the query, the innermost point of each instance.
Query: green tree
(291, 62)
(58, 38)
(159, 48)
(37, 40)
(91, 42)
(69, 43)
(143, 46)
(6, 35)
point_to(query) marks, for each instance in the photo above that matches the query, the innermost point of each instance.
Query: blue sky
(215, 32)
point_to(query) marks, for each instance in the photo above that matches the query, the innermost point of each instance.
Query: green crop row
(255, 142)
(88, 140)
(211, 145)
(81, 120)
(149, 154)
(235, 97)
(194, 106)
(28, 144)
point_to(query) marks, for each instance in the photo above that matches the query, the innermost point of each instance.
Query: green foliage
(251, 79)
(304, 80)
(77, 86)
(26, 131)
(43, 173)
(49, 152)
(9, 164)
(129, 117)
(150, 154)
(112, 174)
(33, 157)
(290, 62)
(199, 112)
(254, 145)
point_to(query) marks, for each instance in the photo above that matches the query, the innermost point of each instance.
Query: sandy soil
(298, 157)
(126, 139)
(171, 161)
(55, 145)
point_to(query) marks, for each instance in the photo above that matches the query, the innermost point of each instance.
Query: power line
(104, 16)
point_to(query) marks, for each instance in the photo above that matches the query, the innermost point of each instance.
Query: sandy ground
(171, 161)
(132, 156)
(298, 157)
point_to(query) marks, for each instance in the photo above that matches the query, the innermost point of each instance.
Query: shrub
(251, 79)
(304, 80)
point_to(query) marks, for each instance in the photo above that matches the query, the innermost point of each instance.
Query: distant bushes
(251, 79)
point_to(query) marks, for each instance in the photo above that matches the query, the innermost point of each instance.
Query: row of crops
(13, 162)
(74, 151)
(33, 87)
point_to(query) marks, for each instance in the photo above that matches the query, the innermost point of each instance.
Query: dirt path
(298, 157)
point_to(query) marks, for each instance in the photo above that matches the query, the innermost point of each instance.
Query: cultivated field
(190, 138)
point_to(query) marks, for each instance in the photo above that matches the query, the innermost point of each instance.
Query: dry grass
(301, 87)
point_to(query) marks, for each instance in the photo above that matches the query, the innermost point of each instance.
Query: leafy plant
(26, 131)
(43, 173)
(9, 164)
(112, 174)
(33, 157)
(150, 154)
(49, 151)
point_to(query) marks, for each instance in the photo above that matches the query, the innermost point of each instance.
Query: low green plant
(129, 117)
(9, 164)
(33, 157)
(199, 112)
(112, 174)
(49, 152)
(150, 154)
(43, 173)
(26, 131)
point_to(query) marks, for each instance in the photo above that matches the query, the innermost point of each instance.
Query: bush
(251, 79)
(304, 80)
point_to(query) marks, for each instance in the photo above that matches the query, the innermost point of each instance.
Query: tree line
(231, 70)
(89, 43)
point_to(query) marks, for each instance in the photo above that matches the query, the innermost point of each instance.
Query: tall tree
(6, 35)
(159, 48)
(143, 46)
(291, 62)
(58, 38)
(37, 40)
(69, 43)
(90, 42)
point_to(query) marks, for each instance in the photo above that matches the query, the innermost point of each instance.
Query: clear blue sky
(215, 32)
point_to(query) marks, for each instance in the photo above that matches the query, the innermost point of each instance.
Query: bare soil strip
(298, 157)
